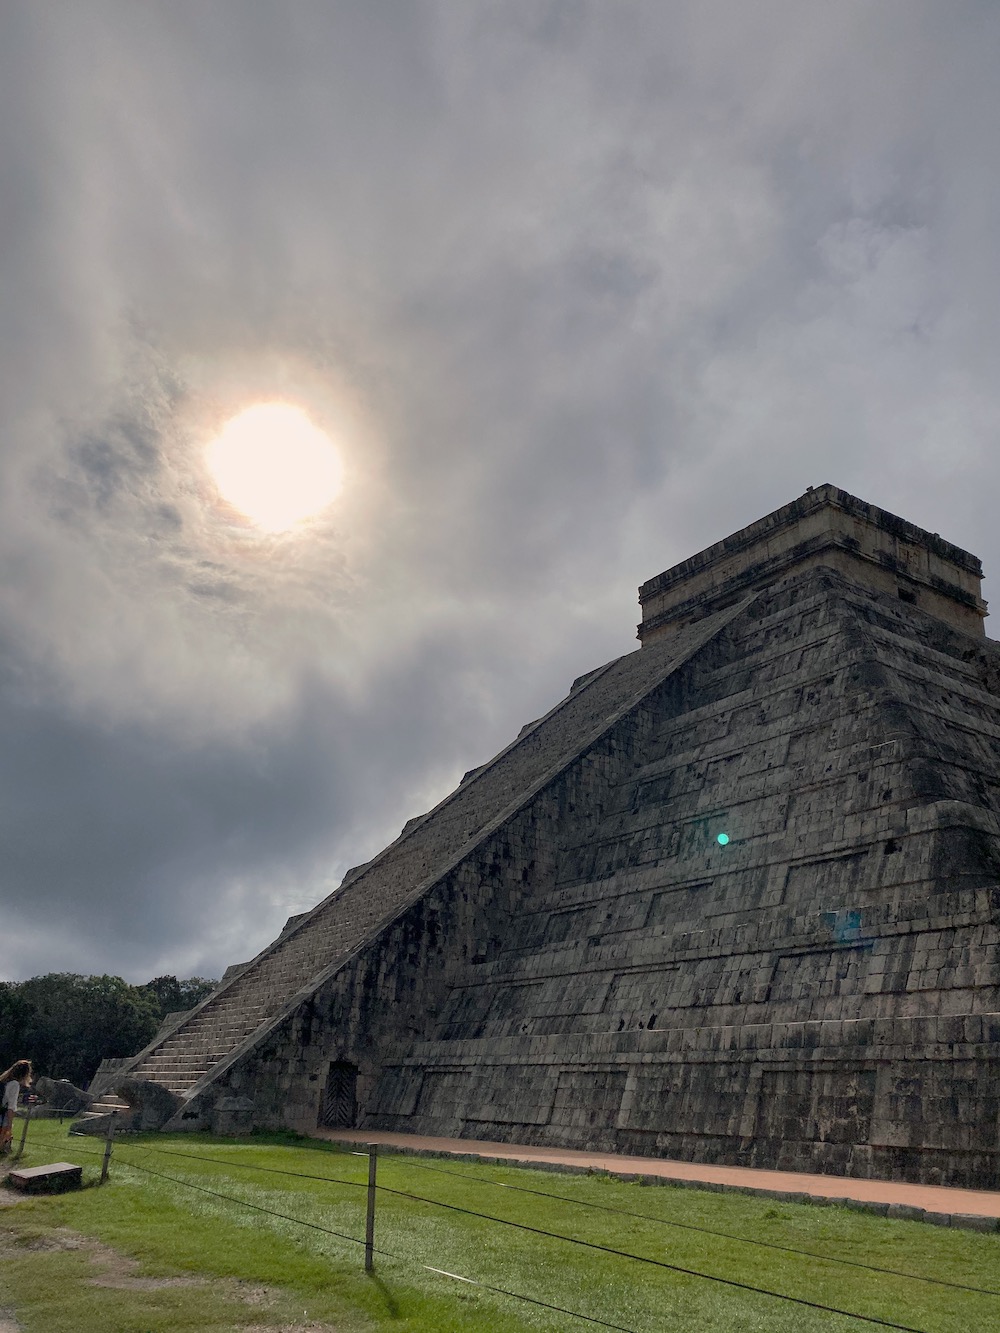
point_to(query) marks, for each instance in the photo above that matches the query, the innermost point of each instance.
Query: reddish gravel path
(936, 1199)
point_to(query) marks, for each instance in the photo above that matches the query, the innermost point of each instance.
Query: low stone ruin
(59, 1097)
(147, 1106)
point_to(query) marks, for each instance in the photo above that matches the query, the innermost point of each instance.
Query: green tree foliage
(12, 1015)
(67, 1024)
(172, 995)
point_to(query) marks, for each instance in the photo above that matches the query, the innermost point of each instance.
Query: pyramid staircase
(108, 1103)
(244, 1009)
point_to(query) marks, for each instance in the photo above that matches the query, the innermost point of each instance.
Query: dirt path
(937, 1201)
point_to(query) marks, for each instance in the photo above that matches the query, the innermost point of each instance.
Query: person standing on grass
(18, 1076)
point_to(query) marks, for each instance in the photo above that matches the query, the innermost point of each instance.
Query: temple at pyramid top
(825, 526)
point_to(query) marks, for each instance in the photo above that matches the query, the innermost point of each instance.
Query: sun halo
(275, 466)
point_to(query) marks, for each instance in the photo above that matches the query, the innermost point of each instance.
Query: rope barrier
(389, 1254)
(708, 1231)
(658, 1263)
(585, 1203)
(623, 1254)
(520, 1226)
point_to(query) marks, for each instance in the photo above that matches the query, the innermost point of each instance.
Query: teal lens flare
(722, 839)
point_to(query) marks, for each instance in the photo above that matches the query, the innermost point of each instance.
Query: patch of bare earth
(285, 1328)
(120, 1271)
(7, 1195)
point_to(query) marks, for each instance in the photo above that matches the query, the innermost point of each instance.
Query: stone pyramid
(735, 898)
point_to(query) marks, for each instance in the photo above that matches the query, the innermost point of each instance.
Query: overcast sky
(578, 289)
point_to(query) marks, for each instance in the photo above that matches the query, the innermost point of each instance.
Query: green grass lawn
(146, 1253)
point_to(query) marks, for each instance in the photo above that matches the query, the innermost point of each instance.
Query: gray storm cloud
(578, 289)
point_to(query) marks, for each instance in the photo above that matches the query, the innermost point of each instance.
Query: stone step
(178, 1058)
(106, 1105)
(209, 1037)
(193, 1053)
(171, 1075)
(238, 1009)
(178, 1075)
(178, 1086)
(214, 1018)
(206, 1050)
(217, 1025)
(160, 1072)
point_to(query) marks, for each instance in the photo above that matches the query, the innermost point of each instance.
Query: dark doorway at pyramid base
(340, 1097)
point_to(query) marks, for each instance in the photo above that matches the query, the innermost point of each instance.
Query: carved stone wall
(736, 898)
(822, 992)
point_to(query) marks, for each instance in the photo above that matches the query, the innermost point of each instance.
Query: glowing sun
(274, 465)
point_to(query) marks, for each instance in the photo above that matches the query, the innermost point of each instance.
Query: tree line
(67, 1024)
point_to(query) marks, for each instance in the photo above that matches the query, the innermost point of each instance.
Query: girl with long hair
(12, 1080)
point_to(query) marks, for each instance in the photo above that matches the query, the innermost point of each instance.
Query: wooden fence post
(370, 1220)
(107, 1147)
(24, 1132)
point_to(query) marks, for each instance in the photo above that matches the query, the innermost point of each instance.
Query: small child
(18, 1076)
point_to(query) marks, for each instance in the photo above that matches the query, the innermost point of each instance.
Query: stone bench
(51, 1179)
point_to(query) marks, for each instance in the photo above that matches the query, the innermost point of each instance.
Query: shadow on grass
(391, 1304)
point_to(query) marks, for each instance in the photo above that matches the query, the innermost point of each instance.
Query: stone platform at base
(977, 1210)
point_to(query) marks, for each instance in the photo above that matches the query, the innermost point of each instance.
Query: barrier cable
(538, 1231)
(708, 1231)
(606, 1249)
(591, 1319)
(584, 1203)
(388, 1254)
(230, 1198)
(251, 1166)
(657, 1263)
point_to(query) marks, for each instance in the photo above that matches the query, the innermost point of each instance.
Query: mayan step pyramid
(735, 898)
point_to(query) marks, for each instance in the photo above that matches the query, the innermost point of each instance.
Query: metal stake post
(107, 1147)
(24, 1132)
(370, 1220)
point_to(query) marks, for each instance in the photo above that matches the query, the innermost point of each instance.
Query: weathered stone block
(60, 1095)
(233, 1115)
(150, 1104)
